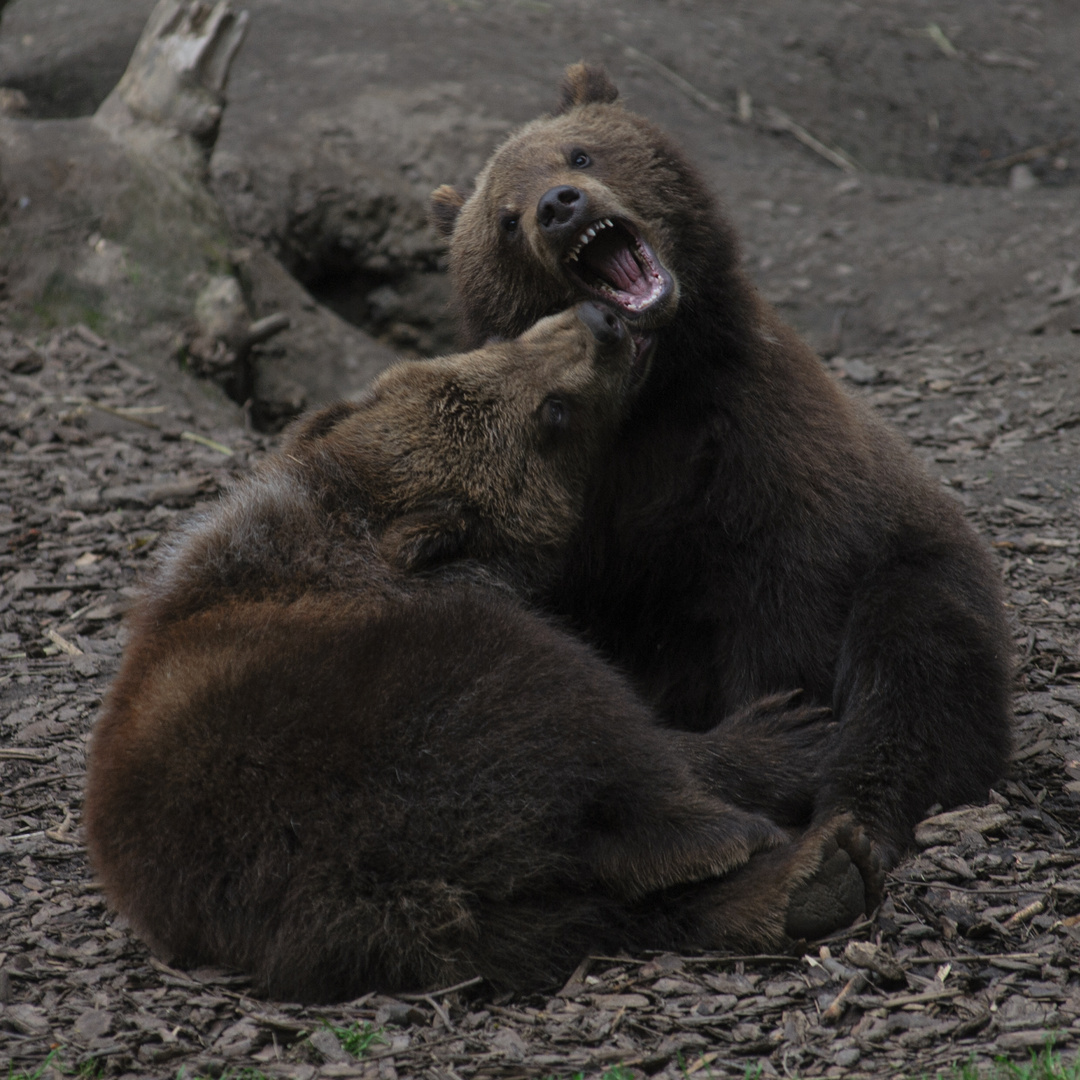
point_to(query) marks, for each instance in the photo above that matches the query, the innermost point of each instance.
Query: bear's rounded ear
(585, 85)
(446, 204)
(429, 537)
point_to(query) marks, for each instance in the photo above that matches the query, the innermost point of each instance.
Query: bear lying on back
(343, 754)
(752, 529)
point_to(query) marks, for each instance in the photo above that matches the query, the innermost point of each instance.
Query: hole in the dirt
(404, 306)
(359, 241)
(345, 292)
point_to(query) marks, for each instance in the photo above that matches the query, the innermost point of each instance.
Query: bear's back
(274, 535)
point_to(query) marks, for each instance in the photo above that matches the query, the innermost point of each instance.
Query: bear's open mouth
(613, 263)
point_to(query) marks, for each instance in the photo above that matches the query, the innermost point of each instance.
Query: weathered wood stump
(108, 220)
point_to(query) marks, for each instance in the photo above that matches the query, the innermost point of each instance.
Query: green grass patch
(1045, 1064)
(38, 1072)
(91, 1070)
(358, 1038)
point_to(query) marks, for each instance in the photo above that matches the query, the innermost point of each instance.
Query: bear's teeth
(589, 233)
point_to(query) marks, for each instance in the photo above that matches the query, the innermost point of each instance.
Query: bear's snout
(606, 327)
(561, 209)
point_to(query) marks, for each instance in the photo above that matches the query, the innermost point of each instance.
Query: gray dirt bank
(935, 287)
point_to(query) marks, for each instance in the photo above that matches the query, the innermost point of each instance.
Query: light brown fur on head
(582, 85)
(506, 272)
(491, 448)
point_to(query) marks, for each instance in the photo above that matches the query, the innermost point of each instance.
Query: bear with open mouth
(752, 528)
(344, 753)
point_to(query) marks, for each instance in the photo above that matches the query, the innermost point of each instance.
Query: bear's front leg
(768, 757)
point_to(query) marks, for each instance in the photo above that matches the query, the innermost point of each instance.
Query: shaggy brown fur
(752, 528)
(343, 754)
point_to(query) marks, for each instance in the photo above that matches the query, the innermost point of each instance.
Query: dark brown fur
(343, 754)
(753, 529)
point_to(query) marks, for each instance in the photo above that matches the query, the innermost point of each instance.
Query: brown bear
(343, 753)
(752, 528)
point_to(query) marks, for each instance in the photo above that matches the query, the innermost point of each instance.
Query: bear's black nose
(560, 208)
(606, 327)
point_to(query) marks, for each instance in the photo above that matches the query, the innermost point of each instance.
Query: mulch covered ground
(974, 951)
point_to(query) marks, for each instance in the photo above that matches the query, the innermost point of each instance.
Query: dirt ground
(938, 275)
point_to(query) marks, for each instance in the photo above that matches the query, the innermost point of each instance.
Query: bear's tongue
(611, 259)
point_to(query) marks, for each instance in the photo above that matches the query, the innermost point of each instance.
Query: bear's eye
(579, 159)
(509, 222)
(555, 414)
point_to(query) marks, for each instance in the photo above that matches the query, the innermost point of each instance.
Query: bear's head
(592, 202)
(485, 454)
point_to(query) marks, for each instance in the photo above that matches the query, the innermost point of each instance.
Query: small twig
(915, 999)
(748, 958)
(266, 328)
(967, 957)
(744, 111)
(1004, 890)
(123, 414)
(836, 1008)
(37, 780)
(60, 833)
(1030, 796)
(443, 1015)
(849, 932)
(692, 92)
(937, 36)
(1032, 154)
(1024, 915)
(780, 121)
(63, 644)
(744, 107)
(576, 983)
(170, 973)
(705, 1059)
(202, 440)
(16, 753)
(357, 1004)
(442, 993)
(282, 1023)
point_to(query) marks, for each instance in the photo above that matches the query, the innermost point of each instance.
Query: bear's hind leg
(816, 884)
(922, 696)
